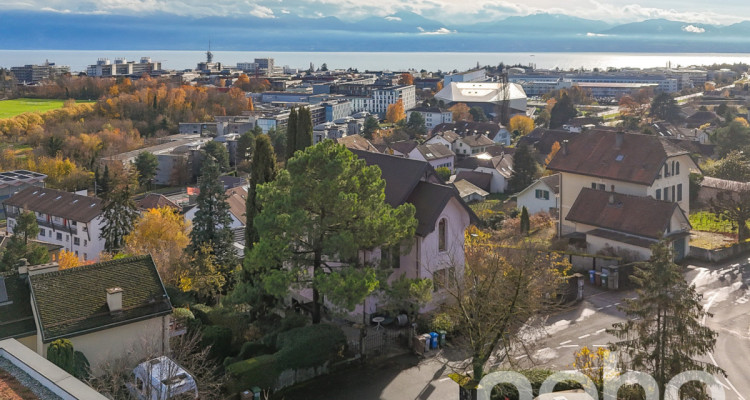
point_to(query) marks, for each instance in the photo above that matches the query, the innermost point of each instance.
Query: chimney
(565, 147)
(619, 136)
(114, 299)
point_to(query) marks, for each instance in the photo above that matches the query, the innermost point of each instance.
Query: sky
(456, 12)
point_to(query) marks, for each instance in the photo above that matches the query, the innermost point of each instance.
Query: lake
(431, 61)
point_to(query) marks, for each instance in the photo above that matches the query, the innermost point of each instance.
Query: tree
(67, 259)
(61, 353)
(525, 223)
(324, 67)
(395, 112)
(521, 124)
(406, 79)
(735, 166)
(553, 151)
(304, 129)
(439, 86)
(264, 171)
(416, 124)
(563, 111)
(371, 125)
(119, 215)
(664, 335)
(444, 173)
(291, 134)
(146, 164)
(735, 206)
(163, 233)
(245, 151)
(732, 137)
(664, 107)
(542, 119)
(525, 169)
(477, 114)
(211, 225)
(317, 215)
(26, 226)
(219, 153)
(504, 284)
(461, 112)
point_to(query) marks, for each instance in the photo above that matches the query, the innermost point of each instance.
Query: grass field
(11, 108)
(709, 222)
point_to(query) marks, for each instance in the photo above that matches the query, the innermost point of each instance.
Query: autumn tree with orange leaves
(395, 112)
(461, 112)
(406, 79)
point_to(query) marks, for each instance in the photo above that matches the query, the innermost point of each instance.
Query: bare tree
(735, 205)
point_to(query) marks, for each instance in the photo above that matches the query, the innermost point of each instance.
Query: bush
(442, 321)
(200, 311)
(536, 377)
(220, 340)
(289, 322)
(183, 315)
(61, 353)
(310, 346)
(178, 297)
(254, 349)
(259, 371)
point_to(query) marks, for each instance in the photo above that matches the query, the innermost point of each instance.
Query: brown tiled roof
(702, 117)
(74, 301)
(450, 136)
(636, 215)
(542, 139)
(464, 128)
(429, 200)
(57, 203)
(503, 164)
(638, 160)
(553, 181)
(498, 150)
(477, 140)
(434, 151)
(16, 317)
(481, 180)
(357, 142)
(404, 146)
(401, 175)
(154, 200)
(237, 197)
(723, 184)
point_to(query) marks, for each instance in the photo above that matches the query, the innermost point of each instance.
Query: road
(408, 377)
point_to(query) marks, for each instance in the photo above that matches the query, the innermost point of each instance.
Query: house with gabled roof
(629, 164)
(435, 154)
(541, 196)
(441, 214)
(500, 167)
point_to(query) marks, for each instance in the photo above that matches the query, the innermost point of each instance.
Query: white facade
(446, 162)
(538, 197)
(81, 238)
(433, 118)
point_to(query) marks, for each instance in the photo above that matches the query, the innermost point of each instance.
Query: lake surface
(431, 61)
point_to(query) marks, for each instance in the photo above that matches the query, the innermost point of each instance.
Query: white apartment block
(70, 220)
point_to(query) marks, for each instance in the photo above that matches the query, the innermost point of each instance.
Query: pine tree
(263, 171)
(525, 169)
(562, 112)
(291, 134)
(211, 225)
(119, 215)
(105, 185)
(304, 129)
(525, 222)
(664, 335)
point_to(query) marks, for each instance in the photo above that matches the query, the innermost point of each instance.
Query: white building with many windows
(67, 219)
(433, 116)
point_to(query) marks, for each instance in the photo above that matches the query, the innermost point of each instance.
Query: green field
(11, 108)
(709, 222)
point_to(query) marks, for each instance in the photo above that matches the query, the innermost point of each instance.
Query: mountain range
(403, 31)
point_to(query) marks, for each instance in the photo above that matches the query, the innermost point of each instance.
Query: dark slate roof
(404, 146)
(498, 150)
(434, 151)
(638, 160)
(622, 238)
(154, 200)
(429, 200)
(481, 180)
(464, 128)
(16, 317)
(503, 164)
(428, 109)
(702, 117)
(636, 215)
(357, 142)
(542, 139)
(553, 181)
(400, 174)
(72, 302)
(477, 140)
(57, 203)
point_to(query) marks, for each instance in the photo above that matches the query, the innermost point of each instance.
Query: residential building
(122, 67)
(493, 130)
(155, 200)
(447, 138)
(541, 196)
(482, 180)
(486, 95)
(436, 154)
(472, 144)
(627, 164)
(67, 219)
(500, 167)
(375, 99)
(469, 192)
(32, 73)
(12, 182)
(337, 109)
(433, 116)
(474, 75)
(357, 142)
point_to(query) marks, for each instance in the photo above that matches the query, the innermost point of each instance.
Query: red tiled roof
(153, 200)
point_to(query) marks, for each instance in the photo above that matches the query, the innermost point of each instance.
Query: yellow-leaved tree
(163, 233)
(67, 259)
(395, 112)
(461, 112)
(521, 123)
(555, 148)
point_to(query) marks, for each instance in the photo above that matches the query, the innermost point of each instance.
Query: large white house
(433, 116)
(541, 196)
(70, 220)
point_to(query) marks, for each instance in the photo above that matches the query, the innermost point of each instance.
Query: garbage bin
(592, 276)
(604, 281)
(598, 278)
(442, 337)
(419, 344)
(256, 392)
(433, 340)
(427, 341)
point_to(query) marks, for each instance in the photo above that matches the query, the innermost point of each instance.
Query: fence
(717, 255)
(380, 341)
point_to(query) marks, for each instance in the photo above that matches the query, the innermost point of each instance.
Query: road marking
(565, 342)
(600, 331)
(608, 306)
(617, 304)
(600, 308)
(711, 355)
(520, 357)
(567, 346)
(444, 379)
(600, 345)
(584, 336)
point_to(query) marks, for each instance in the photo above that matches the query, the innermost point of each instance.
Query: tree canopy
(146, 164)
(525, 169)
(219, 153)
(395, 112)
(371, 125)
(317, 215)
(664, 107)
(263, 171)
(563, 111)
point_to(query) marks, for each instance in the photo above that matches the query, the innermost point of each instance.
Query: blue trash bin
(592, 276)
(433, 340)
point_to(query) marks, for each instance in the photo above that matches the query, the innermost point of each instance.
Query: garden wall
(721, 254)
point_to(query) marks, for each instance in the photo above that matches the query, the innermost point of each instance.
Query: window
(441, 278)
(76, 253)
(441, 235)
(673, 197)
(666, 170)
(666, 194)
(85, 242)
(679, 192)
(542, 194)
(602, 186)
(76, 241)
(59, 236)
(673, 168)
(658, 194)
(677, 170)
(41, 232)
(593, 185)
(85, 257)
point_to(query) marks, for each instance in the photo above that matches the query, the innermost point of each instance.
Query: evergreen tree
(525, 169)
(664, 107)
(663, 335)
(245, 151)
(291, 134)
(26, 227)
(119, 215)
(264, 171)
(106, 184)
(146, 164)
(525, 222)
(563, 111)
(211, 225)
(219, 153)
(416, 124)
(304, 129)
(371, 125)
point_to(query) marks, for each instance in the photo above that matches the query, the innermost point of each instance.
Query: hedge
(260, 371)
(220, 340)
(536, 377)
(309, 346)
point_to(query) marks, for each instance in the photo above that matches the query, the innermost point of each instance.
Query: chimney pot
(619, 136)
(114, 299)
(611, 198)
(565, 147)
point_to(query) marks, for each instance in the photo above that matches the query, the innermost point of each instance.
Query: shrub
(310, 346)
(442, 321)
(82, 367)
(178, 297)
(536, 377)
(220, 340)
(259, 371)
(61, 353)
(289, 322)
(183, 315)
(254, 349)
(200, 311)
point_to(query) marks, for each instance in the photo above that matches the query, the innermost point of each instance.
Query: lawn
(709, 222)
(11, 108)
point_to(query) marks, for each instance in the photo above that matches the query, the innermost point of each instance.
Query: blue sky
(446, 11)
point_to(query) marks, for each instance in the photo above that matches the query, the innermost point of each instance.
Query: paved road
(408, 377)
